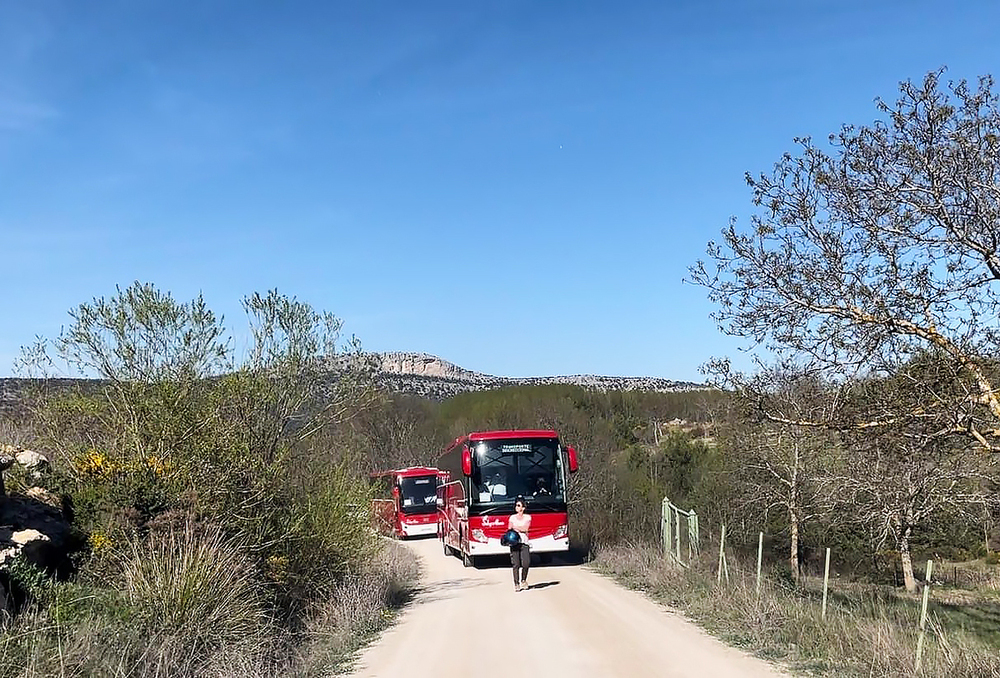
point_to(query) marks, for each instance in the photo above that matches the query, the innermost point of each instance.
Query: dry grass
(869, 633)
(192, 583)
(357, 608)
(191, 610)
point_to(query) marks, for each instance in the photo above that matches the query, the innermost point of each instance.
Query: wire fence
(681, 536)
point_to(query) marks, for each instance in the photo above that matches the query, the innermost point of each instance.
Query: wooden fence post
(693, 546)
(677, 533)
(760, 555)
(665, 526)
(923, 613)
(826, 580)
(722, 558)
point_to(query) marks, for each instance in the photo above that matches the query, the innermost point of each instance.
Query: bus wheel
(445, 548)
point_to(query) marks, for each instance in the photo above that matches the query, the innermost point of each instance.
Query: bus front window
(529, 467)
(418, 494)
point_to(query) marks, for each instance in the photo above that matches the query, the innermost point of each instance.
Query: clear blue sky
(518, 187)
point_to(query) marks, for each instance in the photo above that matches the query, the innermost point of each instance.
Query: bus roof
(525, 433)
(502, 435)
(407, 472)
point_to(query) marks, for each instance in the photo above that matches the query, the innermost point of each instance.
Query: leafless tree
(775, 465)
(901, 477)
(884, 246)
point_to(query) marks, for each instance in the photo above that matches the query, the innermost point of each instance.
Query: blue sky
(517, 187)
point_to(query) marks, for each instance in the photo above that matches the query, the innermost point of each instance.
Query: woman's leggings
(520, 557)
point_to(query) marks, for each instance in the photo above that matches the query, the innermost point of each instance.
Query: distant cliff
(419, 374)
(432, 377)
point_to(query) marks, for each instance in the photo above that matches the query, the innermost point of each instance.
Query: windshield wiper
(492, 509)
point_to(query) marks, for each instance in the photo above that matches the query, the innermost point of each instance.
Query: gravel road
(571, 622)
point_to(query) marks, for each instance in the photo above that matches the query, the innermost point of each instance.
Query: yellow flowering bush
(99, 541)
(277, 568)
(159, 466)
(94, 464)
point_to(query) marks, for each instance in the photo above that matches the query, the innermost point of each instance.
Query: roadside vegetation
(869, 630)
(219, 519)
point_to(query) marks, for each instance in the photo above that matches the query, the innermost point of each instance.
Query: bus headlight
(560, 532)
(479, 535)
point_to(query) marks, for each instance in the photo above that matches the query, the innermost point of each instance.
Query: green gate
(675, 532)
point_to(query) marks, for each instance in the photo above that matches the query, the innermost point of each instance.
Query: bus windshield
(418, 494)
(504, 469)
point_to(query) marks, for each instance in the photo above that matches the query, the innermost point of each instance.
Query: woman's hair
(520, 500)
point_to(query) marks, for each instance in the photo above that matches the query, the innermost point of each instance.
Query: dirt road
(571, 622)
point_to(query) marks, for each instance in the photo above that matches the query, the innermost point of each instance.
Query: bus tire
(445, 548)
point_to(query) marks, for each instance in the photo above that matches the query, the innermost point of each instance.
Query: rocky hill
(431, 377)
(419, 374)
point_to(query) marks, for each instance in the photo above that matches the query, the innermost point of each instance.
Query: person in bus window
(497, 486)
(541, 488)
(520, 554)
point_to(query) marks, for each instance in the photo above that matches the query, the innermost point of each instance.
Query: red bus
(487, 471)
(405, 501)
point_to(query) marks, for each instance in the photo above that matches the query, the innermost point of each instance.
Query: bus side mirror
(466, 460)
(571, 455)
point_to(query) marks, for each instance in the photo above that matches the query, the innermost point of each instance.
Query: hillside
(427, 376)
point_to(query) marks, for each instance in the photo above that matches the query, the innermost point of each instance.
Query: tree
(887, 245)
(151, 353)
(213, 432)
(775, 465)
(904, 477)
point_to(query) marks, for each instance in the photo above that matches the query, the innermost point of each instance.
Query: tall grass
(195, 585)
(191, 607)
(868, 632)
(357, 608)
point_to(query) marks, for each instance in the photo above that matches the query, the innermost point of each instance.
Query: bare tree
(902, 477)
(885, 246)
(780, 466)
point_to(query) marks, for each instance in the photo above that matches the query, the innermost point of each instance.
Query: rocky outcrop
(422, 365)
(33, 527)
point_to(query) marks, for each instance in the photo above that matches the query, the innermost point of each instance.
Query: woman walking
(520, 553)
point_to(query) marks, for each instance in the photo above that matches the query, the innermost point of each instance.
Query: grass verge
(867, 632)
